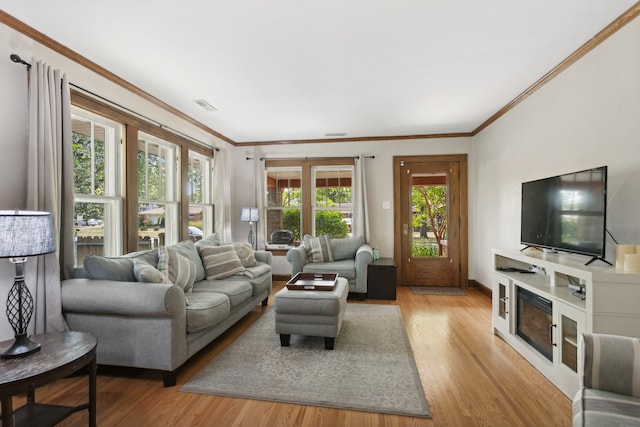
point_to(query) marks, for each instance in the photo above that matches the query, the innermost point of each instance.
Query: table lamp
(250, 215)
(23, 234)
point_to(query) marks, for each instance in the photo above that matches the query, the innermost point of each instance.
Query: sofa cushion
(147, 273)
(245, 254)
(206, 309)
(116, 268)
(238, 291)
(180, 270)
(345, 268)
(219, 261)
(256, 271)
(318, 248)
(189, 250)
(346, 248)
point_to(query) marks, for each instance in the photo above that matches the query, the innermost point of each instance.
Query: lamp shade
(25, 233)
(249, 215)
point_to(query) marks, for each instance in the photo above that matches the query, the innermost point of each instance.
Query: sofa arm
(610, 363)
(264, 256)
(297, 257)
(122, 298)
(364, 257)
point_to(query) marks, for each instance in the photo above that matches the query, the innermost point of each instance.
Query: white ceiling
(294, 69)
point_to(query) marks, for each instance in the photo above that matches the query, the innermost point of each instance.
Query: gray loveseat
(349, 257)
(203, 290)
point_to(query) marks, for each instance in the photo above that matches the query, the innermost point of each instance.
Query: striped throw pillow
(179, 269)
(220, 261)
(318, 249)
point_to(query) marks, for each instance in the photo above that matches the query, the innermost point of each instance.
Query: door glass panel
(430, 213)
(570, 343)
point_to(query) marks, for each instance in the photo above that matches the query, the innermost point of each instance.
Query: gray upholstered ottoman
(312, 313)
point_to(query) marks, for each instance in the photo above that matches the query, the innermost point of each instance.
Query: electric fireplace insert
(535, 322)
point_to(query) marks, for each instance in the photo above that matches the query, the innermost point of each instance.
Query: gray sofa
(349, 257)
(143, 324)
(609, 392)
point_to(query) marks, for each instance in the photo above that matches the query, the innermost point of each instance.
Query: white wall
(587, 116)
(379, 174)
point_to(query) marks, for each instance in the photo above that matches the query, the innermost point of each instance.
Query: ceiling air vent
(204, 104)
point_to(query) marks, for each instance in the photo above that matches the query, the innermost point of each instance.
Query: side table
(61, 355)
(381, 279)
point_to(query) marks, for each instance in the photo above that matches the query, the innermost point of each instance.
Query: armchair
(349, 257)
(609, 391)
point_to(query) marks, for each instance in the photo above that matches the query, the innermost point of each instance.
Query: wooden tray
(312, 282)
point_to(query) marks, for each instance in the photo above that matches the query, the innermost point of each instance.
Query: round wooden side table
(61, 354)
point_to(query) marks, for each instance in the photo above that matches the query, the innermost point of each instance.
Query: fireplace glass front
(534, 321)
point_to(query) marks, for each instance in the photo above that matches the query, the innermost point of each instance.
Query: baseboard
(479, 286)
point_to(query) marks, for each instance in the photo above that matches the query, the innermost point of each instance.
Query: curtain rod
(302, 158)
(15, 58)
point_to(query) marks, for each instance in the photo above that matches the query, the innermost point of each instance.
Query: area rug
(371, 368)
(437, 290)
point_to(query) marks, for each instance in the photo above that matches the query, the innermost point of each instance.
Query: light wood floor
(470, 378)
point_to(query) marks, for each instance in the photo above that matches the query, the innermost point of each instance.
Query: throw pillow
(211, 240)
(188, 249)
(245, 253)
(318, 249)
(147, 273)
(179, 269)
(117, 268)
(220, 261)
(346, 248)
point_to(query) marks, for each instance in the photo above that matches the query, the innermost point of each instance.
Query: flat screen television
(566, 213)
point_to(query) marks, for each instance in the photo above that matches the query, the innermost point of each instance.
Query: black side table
(381, 279)
(61, 355)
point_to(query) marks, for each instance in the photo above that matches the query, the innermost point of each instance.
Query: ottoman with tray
(311, 306)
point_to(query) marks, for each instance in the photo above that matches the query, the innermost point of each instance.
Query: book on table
(312, 282)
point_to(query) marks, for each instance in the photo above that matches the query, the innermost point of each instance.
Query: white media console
(610, 304)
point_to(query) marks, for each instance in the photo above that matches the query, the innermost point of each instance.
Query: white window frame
(112, 199)
(170, 196)
(206, 190)
(314, 204)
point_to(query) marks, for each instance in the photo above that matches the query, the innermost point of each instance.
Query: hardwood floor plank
(470, 378)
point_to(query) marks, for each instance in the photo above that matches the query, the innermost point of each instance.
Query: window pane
(194, 187)
(88, 157)
(151, 226)
(89, 230)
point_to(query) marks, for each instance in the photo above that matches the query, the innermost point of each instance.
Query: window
(97, 156)
(284, 201)
(309, 196)
(332, 211)
(134, 181)
(199, 193)
(157, 192)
